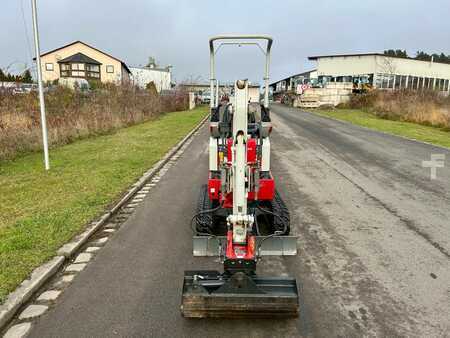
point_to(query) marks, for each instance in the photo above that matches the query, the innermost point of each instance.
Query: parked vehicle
(205, 97)
(23, 88)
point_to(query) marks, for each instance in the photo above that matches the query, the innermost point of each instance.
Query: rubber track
(204, 221)
(283, 219)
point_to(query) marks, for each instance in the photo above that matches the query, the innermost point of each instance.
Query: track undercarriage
(270, 216)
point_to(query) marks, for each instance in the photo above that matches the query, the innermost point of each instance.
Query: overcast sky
(177, 32)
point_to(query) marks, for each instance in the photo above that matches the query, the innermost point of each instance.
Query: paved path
(374, 246)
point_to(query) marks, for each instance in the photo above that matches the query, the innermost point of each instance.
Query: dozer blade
(211, 294)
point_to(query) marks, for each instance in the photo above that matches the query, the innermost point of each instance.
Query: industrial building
(370, 70)
(290, 83)
(383, 72)
(161, 77)
(337, 76)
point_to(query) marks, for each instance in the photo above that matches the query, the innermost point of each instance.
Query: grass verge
(41, 210)
(410, 130)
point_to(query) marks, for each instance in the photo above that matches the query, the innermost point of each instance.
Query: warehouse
(291, 82)
(383, 72)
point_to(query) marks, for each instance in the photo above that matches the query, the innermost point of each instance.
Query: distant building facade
(79, 60)
(383, 72)
(161, 77)
(292, 83)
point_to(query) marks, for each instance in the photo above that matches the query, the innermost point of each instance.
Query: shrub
(423, 107)
(73, 114)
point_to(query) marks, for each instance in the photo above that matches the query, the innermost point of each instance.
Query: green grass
(40, 211)
(406, 129)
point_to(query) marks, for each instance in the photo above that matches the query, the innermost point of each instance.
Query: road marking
(437, 161)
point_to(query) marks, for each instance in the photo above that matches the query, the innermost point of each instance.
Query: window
(420, 83)
(109, 69)
(446, 86)
(93, 71)
(391, 79)
(398, 80)
(379, 80)
(77, 66)
(94, 75)
(384, 81)
(93, 68)
(49, 67)
(76, 73)
(403, 82)
(82, 70)
(410, 82)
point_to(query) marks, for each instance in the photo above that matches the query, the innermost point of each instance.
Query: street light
(41, 89)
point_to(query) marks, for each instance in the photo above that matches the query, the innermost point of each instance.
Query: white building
(384, 72)
(161, 77)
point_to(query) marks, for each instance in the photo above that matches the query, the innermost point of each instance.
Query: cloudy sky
(177, 32)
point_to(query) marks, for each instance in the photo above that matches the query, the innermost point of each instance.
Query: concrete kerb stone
(75, 267)
(83, 257)
(44, 272)
(69, 249)
(32, 311)
(18, 331)
(92, 249)
(50, 295)
(28, 287)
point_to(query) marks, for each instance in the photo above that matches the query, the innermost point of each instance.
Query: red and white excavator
(240, 215)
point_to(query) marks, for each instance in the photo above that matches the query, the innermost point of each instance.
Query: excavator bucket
(212, 294)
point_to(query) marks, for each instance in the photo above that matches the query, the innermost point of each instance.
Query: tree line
(420, 55)
(25, 77)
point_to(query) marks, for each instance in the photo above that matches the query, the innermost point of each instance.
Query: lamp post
(41, 89)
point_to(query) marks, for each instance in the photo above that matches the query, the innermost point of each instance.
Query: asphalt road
(374, 244)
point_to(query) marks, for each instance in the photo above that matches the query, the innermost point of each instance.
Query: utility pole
(41, 89)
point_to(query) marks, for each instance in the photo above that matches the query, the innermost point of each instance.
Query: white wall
(371, 64)
(142, 76)
(253, 94)
(412, 67)
(346, 65)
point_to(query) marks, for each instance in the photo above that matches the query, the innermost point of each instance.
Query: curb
(28, 287)
(43, 273)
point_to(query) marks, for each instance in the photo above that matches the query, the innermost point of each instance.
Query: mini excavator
(241, 216)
